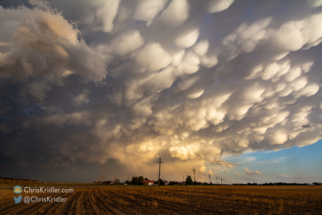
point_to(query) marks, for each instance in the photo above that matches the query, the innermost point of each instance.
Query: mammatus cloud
(249, 172)
(44, 45)
(128, 79)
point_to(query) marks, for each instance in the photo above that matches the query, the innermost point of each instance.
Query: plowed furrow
(21, 208)
(64, 206)
(11, 206)
(50, 210)
(94, 202)
(141, 207)
(35, 207)
(46, 206)
(5, 203)
(135, 205)
(165, 206)
(79, 204)
(102, 204)
(17, 208)
(71, 209)
(107, 198)
(87, 205)
(113, 206)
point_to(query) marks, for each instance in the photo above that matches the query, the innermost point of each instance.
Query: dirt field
(176, 200)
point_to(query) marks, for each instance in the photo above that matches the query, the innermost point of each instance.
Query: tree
(140, 179)
(137, 180)
(161, 182)
(189, 180)
(117, 181)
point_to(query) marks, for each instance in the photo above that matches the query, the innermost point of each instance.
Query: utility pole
(209, 178)
(221, 181)
(159, 169)
(194, 175)
(216, 180)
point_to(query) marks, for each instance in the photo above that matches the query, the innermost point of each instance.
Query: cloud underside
(129, 79)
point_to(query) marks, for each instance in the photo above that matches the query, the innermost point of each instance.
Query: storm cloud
(89, 81)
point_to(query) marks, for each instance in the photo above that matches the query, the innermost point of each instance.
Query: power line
(227, 181)
(140, 155)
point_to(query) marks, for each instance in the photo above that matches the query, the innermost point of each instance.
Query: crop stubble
(176, 200)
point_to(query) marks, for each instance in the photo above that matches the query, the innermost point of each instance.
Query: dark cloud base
(86, 84)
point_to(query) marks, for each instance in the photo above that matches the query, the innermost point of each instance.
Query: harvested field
(175, 200)
(21, 182)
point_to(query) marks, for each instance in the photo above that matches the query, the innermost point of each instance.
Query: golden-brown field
(21, 182)
(175, 200)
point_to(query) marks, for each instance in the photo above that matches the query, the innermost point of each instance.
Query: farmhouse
(148, 182)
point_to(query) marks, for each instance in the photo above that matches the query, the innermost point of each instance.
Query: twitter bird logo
(18, 199)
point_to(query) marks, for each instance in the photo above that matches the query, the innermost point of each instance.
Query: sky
(99, 90)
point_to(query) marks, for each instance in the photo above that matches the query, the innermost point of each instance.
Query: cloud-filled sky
(95, 90)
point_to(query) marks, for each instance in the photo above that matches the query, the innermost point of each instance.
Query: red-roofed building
(148, 182)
